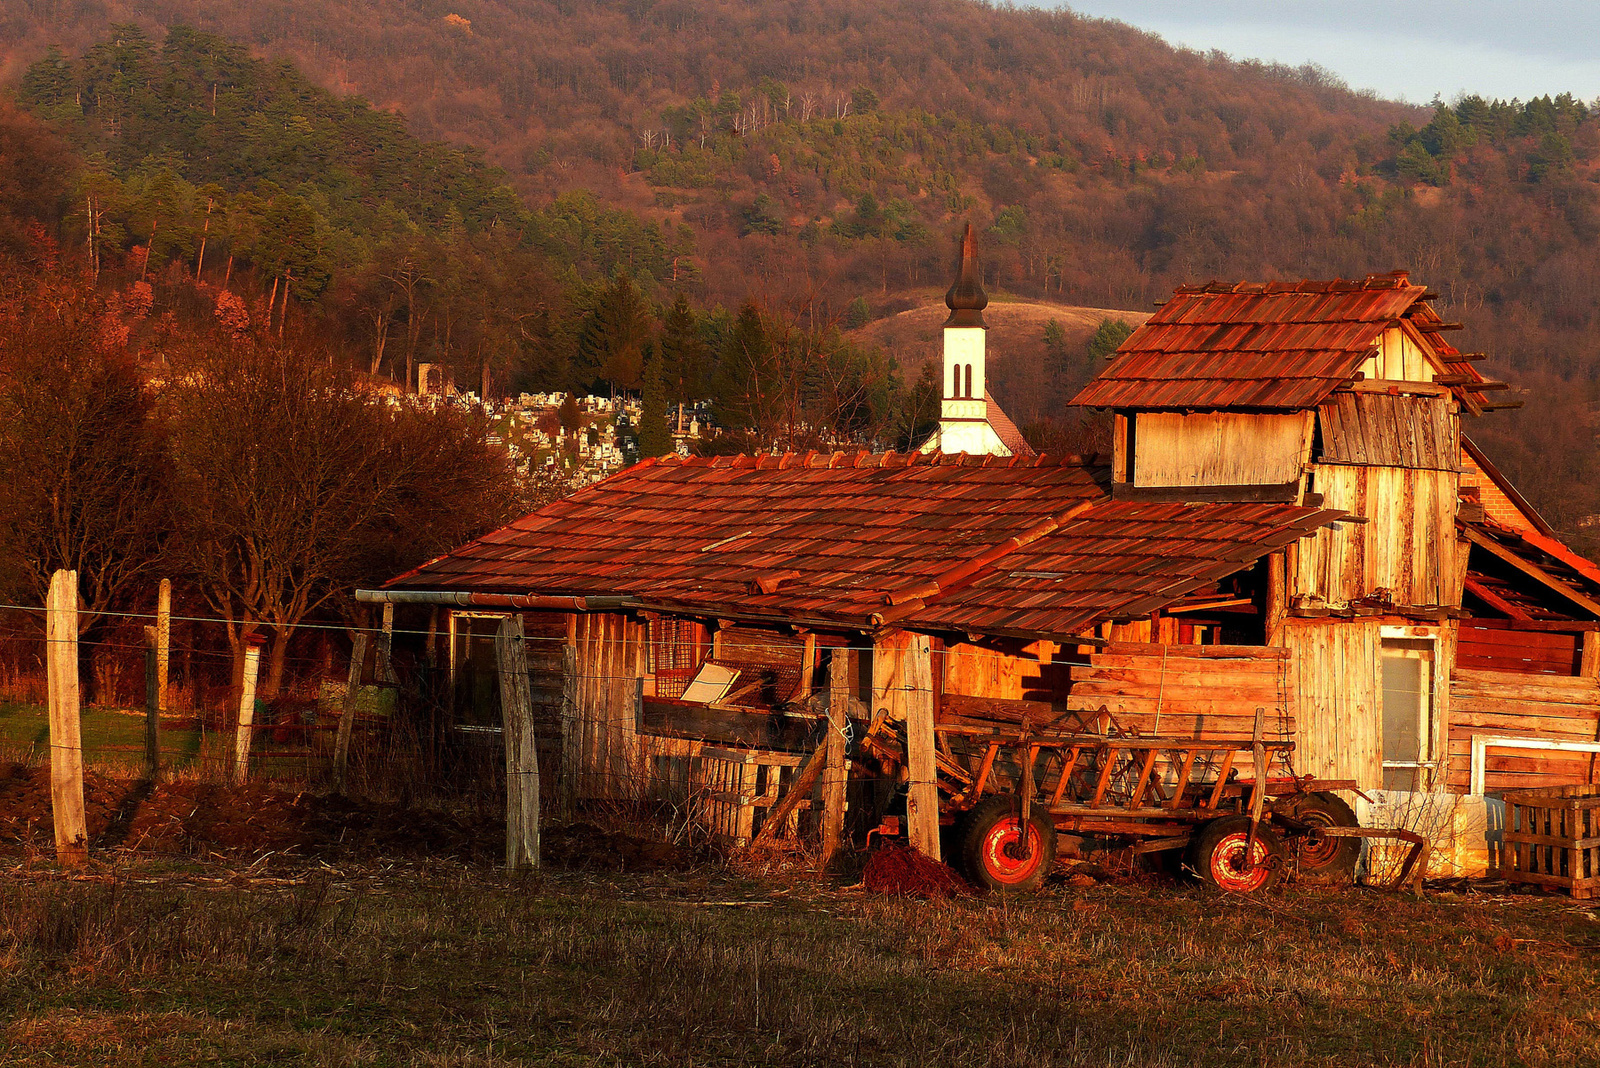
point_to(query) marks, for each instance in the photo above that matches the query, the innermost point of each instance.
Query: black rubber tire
(1217, 848)
(989, 833)
(1323, 860)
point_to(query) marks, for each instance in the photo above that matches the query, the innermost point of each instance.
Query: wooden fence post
(66, 738)
(152, 701)
(163, 643)
(569, 732)
(347, 714)
(834, 778)
(902, 684)
(247, 708)
(386, 645)
(522, 758)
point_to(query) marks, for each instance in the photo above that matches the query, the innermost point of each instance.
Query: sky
(1402, 49)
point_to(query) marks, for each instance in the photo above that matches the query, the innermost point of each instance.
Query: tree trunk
(276, 656)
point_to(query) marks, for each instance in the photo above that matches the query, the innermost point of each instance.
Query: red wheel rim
(1228, 867)
(1002, 852)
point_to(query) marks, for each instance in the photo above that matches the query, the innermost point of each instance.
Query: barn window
(1407, 713)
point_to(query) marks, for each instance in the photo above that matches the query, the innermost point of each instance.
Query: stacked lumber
(1207, 692)
(1504, 705)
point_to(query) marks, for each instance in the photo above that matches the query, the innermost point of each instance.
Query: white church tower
(969, 421)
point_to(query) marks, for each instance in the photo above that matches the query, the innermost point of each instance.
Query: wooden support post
(1589, 662)
(152, 701)
(347, 714)
(522, 758)
(66, 739)
(163, 642)
(571, 740)
(902, 670)
(1277, 598)
(386, 645)
(835, 776)
(247, 708)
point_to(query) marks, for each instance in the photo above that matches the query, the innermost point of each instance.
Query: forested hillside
(818, 154)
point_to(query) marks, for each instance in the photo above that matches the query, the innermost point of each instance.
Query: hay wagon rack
(1005, 795)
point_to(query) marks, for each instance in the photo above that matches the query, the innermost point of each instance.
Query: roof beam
(1532, 570)
(1494, 600)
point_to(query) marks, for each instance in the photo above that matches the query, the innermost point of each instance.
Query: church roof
(1004, 428)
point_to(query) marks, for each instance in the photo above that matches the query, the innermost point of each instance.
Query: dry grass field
(440, 962)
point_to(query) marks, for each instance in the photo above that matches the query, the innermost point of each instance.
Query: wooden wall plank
(1338, 718)
(1217, 449)
(1405, 551)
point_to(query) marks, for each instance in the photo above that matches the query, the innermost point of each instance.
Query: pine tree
(684, 374)
(612, 339)
(654, 437)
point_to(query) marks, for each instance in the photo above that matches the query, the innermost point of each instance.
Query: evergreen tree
(569, 415)
(612, 338)
(742, 396)
(684, 371)
(1110, 334)
(654, 437)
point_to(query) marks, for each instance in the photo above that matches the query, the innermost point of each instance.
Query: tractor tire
(991, 843)
(1216, 855)
(1319, 859)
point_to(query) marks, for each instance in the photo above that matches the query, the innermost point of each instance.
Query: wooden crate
(736, 787)
(1552, 838)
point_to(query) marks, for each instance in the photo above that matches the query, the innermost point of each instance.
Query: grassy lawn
(110, 737)
(435, 964)
(113, 741)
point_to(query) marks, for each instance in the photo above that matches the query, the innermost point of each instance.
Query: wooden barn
(1442, 639)
(1292, 531)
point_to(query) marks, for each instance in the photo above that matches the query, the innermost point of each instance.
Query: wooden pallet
(736, 788)
(1552, 838)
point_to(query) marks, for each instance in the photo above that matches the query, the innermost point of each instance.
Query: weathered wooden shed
(1292, 526)
(846, 587)
(1442, 639)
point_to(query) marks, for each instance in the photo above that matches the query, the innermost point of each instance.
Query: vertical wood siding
(1405, 552)
(1339, 723)
(1380, 429)
(611, 660)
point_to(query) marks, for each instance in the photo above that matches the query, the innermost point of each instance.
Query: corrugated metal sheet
(1272, 345)
(871, 540)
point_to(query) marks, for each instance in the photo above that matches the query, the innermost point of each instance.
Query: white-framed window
(1408, 713)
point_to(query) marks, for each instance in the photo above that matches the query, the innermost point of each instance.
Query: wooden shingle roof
(1018, 546)
(1267, 345)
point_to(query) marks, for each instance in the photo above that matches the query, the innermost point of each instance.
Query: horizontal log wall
(1501, 704)
(1522, 652)
(1192, 691)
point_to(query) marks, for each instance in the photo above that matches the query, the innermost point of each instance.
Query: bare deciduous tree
(292, 486)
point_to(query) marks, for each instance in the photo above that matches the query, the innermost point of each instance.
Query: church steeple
(966, 298)
(969, 419)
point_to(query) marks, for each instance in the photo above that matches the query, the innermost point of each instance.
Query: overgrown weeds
(461, 966)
